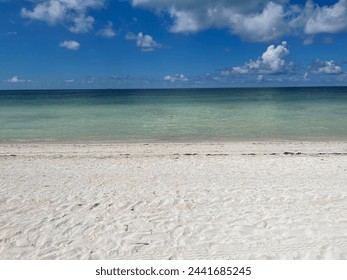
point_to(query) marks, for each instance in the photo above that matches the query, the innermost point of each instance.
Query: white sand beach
(280, 200)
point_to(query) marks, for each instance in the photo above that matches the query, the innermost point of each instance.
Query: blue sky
(171, 43)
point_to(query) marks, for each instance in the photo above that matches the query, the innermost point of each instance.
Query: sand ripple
(174, 201)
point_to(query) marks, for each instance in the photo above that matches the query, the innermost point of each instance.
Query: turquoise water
(174, 115)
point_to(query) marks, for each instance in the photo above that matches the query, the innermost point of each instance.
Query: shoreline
(245, 200)
(234, 147)
(175, 142)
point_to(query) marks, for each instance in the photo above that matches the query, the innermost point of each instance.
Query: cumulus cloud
(70, 45)
(145, 42)
(252, 20)
(264, 26)
(175, 78)
(258, 21)
(306, 76)
(107, 31)
(260, 78)
(325, 67)
(15, 80)
(327, 19)
(271, 62)
(81, 24)
(50, 11)
(71, 13)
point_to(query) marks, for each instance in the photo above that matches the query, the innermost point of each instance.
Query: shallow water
(174, 115)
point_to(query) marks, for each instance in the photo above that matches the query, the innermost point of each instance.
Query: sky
(69, 44)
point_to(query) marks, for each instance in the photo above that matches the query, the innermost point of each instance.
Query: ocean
(255, 114)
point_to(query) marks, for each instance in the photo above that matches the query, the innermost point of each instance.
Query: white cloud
(258, 21)
(71, 45)
(326, 19)
(71, 13)
(306, 77)
(107, 31)
(50, 11)
(81, 24)
(264, 26)
(185, 21)
(325, 67)
(273, 57)
(145, 42)
(176, 77)
(260, 78)
(252, 20)
(69, 81)
(15, 80)
(271, 62)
